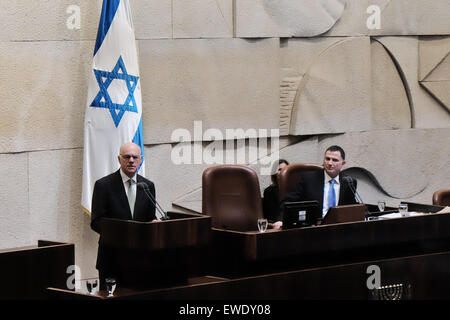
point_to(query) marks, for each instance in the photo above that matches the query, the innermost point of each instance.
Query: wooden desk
(26, 272)
(425, 276)
(245, 253)
(322, 262)
(426, 208)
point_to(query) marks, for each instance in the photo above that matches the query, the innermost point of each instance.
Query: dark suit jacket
(109, 200)
(310, 187)
(271, 202)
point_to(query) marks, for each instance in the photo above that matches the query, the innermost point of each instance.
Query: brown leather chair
(231, 196)
(290, 175)
(441, 197)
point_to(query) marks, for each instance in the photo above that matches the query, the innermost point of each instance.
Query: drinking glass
(381, 205)
(111, 286)
(403, 209)
(262, 225)
(91, 284)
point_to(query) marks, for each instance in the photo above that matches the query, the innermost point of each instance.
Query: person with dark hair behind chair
(271, 199)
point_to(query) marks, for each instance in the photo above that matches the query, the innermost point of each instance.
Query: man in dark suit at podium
(329, 186)
(118, 196)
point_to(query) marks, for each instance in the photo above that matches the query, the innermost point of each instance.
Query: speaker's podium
(155, 254)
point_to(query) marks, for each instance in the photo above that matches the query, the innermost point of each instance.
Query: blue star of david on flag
(103, 99)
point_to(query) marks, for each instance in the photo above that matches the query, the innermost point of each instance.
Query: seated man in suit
(326, 186)
(117, 196)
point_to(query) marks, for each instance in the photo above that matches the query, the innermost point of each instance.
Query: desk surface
(123, 293)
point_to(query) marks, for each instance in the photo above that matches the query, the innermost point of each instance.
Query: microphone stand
(357, 196)
(147, 192)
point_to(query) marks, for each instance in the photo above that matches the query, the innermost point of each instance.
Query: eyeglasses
(128, 156)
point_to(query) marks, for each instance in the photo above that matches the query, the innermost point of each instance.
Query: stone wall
(322, 72)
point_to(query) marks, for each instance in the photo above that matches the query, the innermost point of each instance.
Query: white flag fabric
(114, 107)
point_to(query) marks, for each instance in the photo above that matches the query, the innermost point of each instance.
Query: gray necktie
(131, 196)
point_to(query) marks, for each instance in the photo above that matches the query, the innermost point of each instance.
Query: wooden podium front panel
(181, 231)
(155, 254)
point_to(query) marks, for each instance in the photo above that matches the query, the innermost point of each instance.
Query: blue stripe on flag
(109, 9)
(139, 140)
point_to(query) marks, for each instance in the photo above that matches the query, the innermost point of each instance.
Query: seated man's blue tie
(331, 195)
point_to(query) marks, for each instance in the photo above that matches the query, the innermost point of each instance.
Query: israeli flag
(114, 107)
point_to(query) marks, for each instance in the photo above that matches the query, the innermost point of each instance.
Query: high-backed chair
(290, 175)
(441, 197)
(231, 196)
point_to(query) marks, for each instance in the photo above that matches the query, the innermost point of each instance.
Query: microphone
(147, 192)
(358, 198)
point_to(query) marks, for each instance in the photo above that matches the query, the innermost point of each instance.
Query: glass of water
(91, 284)
(262, 225)
(381, 205)
(403, 209)
(110, 286)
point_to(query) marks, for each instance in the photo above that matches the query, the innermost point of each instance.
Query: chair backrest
(231, 196)
(290, 175)
(441, 197)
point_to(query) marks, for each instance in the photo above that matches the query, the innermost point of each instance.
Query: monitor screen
(300, 214)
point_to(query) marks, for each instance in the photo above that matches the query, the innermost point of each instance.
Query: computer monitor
(300, 214)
